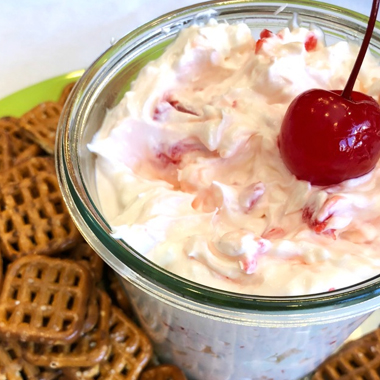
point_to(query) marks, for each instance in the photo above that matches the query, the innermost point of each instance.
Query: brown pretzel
(163, 372)
(92, 313)
(88, 350)
(356, 360)
(14, 367)
(1, 272)
(16, 146)
(118, 293)
(66, 93)
(33, 216)
(7, 123)
(129, 351)
(84, 253)
(6, 159)
(41, 123)
(44, 300)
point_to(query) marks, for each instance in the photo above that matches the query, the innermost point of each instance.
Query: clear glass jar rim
(91, 223)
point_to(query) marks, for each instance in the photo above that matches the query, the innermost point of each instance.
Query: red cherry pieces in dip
(328, 137)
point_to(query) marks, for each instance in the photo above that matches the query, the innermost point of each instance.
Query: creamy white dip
(190, 175)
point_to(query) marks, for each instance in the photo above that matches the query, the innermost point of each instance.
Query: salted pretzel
(44, 300)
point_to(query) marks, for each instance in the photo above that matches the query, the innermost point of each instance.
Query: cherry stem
(359, 60)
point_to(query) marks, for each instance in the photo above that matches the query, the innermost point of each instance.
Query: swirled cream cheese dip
(189, 172)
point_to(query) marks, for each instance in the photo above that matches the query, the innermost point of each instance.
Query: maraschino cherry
(327, 137)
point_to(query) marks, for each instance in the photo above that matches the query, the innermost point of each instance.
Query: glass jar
(211, 334)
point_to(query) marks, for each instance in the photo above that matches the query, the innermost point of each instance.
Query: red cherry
(334, 139)
(327, 137)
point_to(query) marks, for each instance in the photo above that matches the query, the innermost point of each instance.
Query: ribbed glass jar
(211, 334)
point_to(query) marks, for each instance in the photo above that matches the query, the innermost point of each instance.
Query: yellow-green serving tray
(22, 101)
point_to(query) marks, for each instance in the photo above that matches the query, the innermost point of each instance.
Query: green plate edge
(22, 101)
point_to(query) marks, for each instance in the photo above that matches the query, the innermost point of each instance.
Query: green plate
(22, 101)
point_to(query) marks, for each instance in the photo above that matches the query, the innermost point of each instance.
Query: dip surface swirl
(189, 172)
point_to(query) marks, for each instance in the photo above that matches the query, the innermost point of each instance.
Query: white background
(40, 39)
